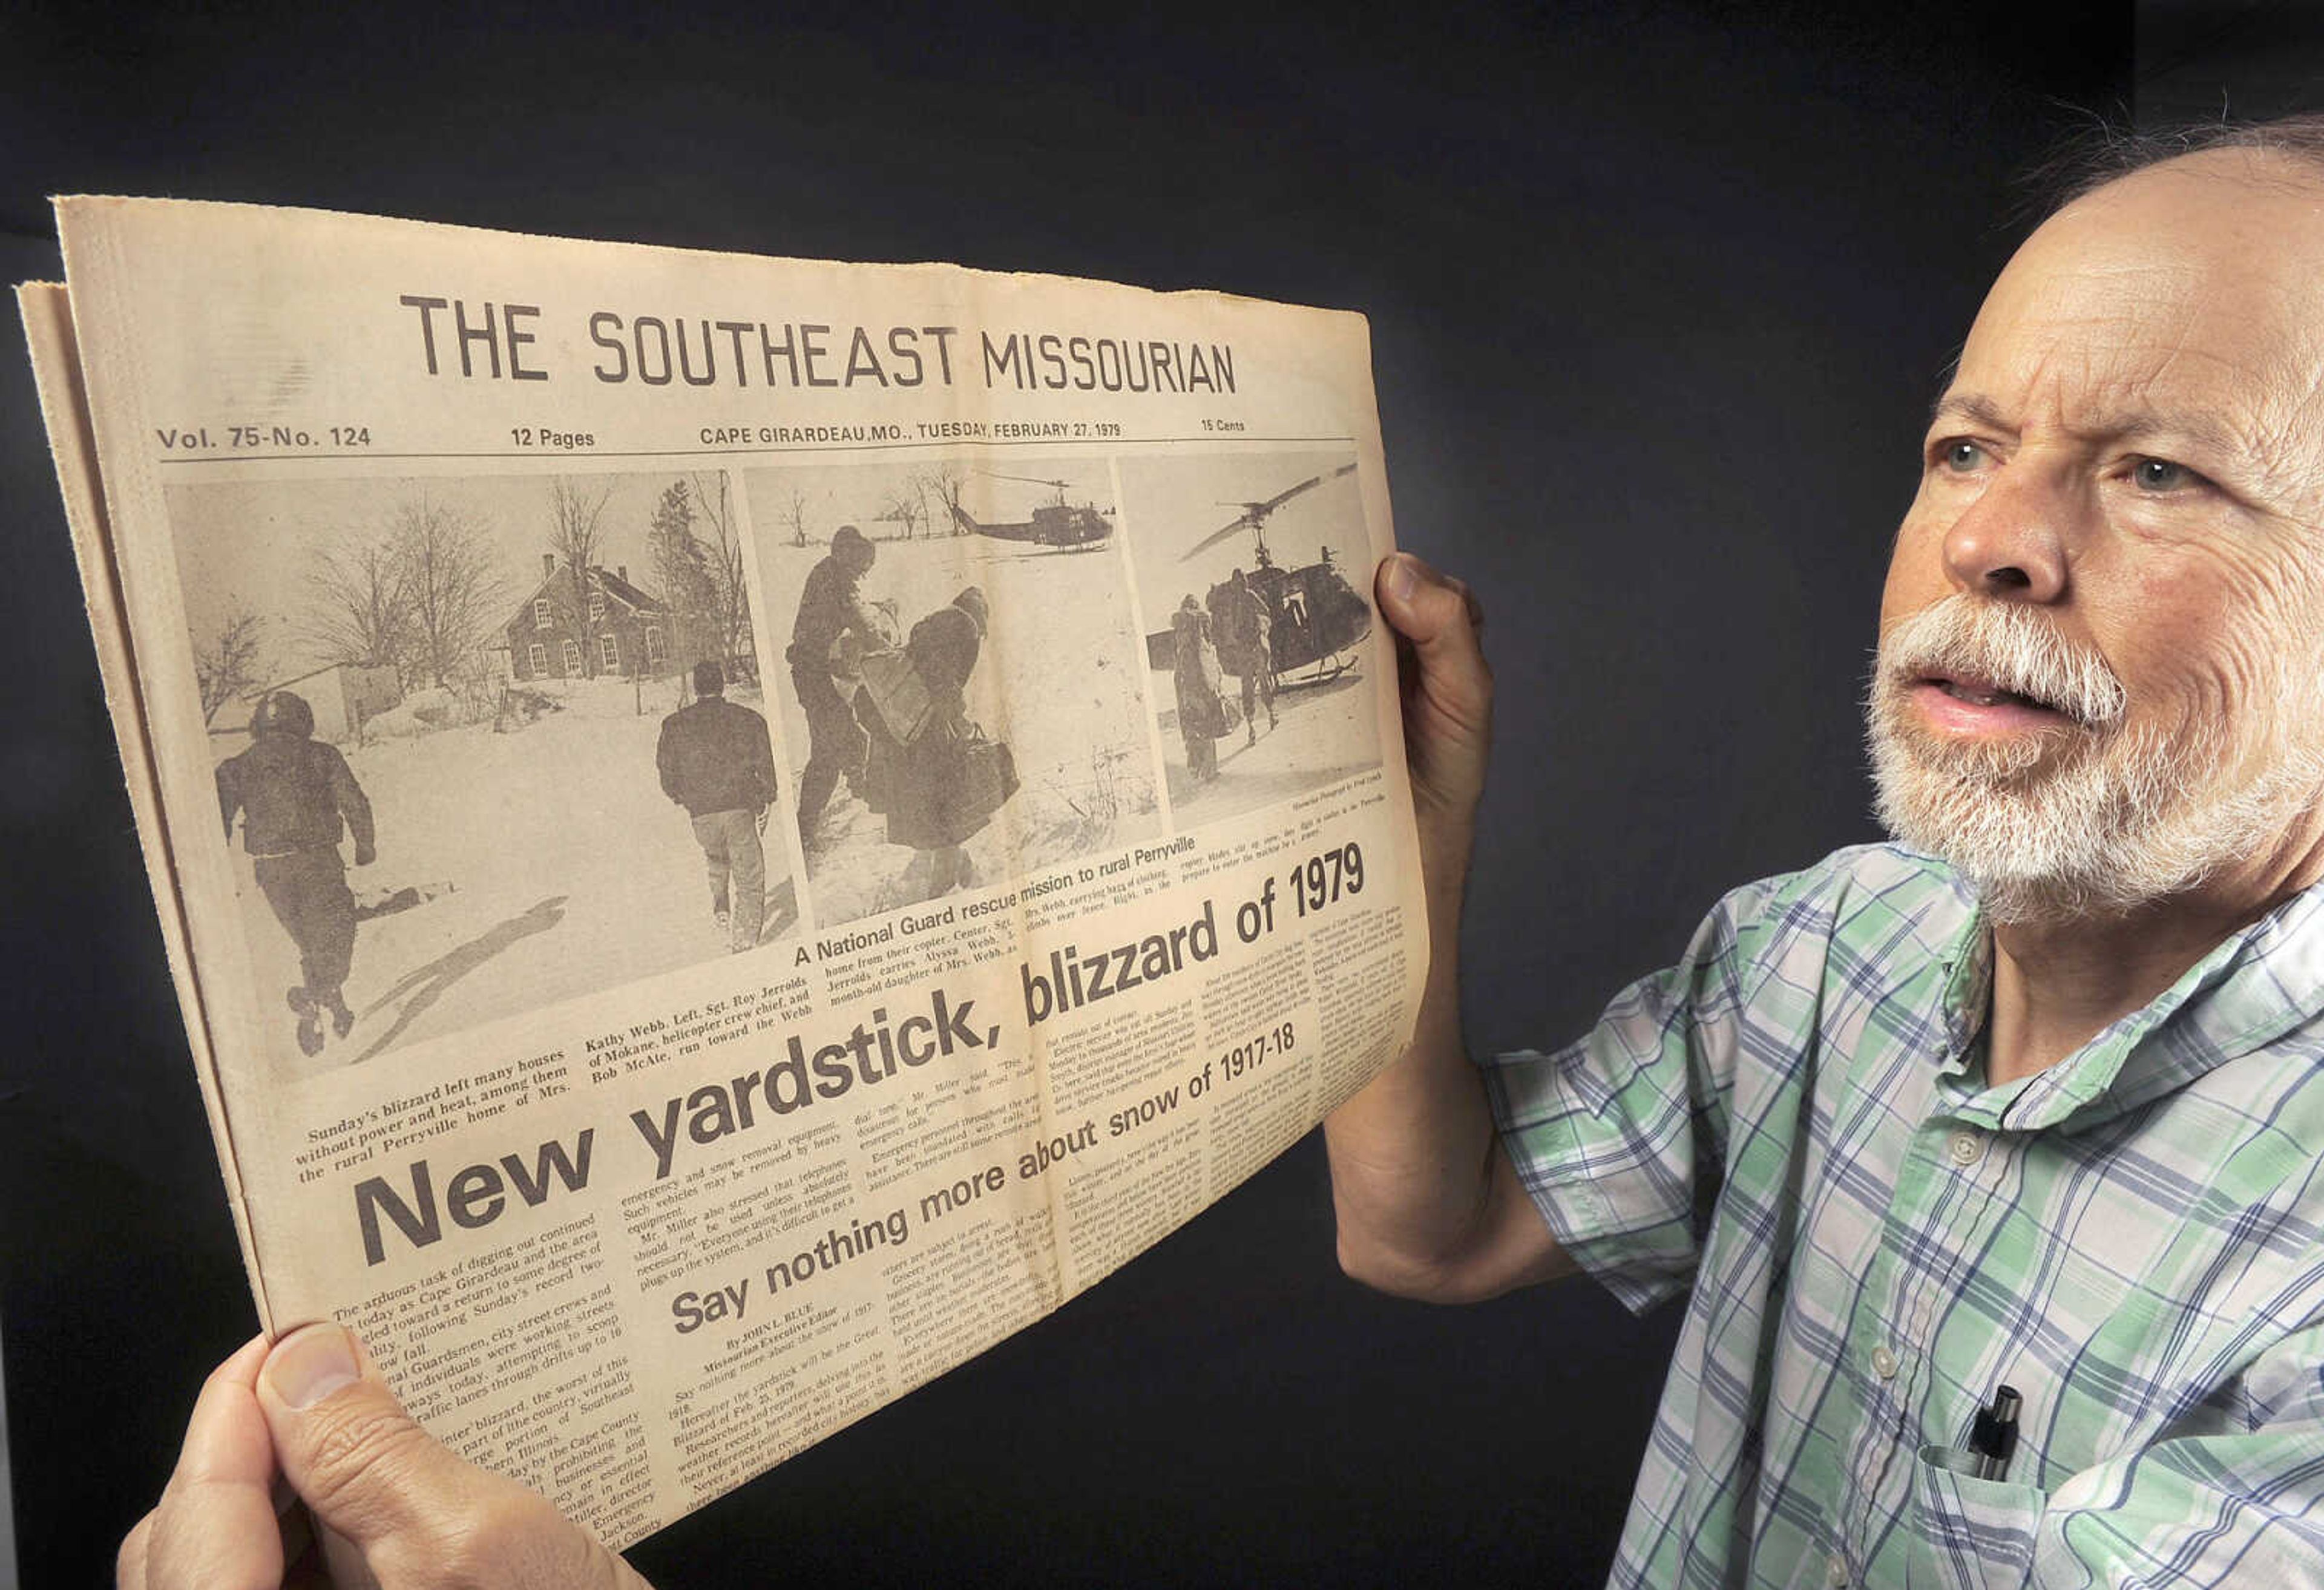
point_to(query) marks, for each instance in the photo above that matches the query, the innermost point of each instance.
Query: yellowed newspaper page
(46, 310)
(746, 827)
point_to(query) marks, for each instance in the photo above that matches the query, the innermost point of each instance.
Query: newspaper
(730, 831)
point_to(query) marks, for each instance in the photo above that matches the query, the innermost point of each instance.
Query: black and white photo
(961, 689)
(1254, 571)
(479, 740)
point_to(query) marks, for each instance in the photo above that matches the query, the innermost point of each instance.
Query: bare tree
(794, 514)
(452, 594)
(226, 665)
(904, 508)
(576, 526)
(731, 592)
(947, 483)
(362, 610)
(682, 568)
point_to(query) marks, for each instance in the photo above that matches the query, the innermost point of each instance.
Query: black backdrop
(1659, 295)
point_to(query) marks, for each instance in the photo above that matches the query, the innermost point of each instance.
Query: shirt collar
(2256, 986)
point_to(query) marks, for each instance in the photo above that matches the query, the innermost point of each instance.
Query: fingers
(1448, 689)
(215, 1526)
(416, 1515)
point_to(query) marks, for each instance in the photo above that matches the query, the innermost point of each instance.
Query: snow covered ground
(1323, 733)
(1061, 678)
(570, 872)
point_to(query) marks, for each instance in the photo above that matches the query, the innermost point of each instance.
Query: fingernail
(310, 1364)
(1407, 576)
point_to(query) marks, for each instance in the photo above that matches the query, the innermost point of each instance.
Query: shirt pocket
(1968, 1533)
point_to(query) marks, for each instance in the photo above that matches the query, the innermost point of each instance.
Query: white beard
(2097, 818)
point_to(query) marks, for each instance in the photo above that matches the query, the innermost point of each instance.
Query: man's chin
(2017, 763)
(1999, 827)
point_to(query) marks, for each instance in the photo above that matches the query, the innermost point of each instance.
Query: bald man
(2022, 1114)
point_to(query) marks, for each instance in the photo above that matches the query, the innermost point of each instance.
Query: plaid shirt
(1793, 1123)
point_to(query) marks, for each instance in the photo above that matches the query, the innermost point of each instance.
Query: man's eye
(2159, 475)
(1960, 456)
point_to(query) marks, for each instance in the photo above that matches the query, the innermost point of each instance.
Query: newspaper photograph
(964, 690)
(1257, 647)
(392, 663)
(731, 830)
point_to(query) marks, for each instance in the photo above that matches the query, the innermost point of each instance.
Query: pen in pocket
(1993, 1439)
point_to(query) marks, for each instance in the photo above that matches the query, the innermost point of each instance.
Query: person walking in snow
(1247, 647)
(831, 610)
(947, 782)
(1201, 713)
(716, 761)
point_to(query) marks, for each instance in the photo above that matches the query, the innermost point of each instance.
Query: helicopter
(1054, 524)
(1317, 617)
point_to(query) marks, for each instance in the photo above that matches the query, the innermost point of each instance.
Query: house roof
(603, 579)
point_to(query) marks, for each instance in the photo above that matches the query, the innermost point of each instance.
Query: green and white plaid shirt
(1793, 1123)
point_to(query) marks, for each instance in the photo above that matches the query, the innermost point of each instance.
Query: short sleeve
(1619, 1137)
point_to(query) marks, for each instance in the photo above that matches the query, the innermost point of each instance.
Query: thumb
(365, 1470)
(418, 1514)
(1447, 688)
(1435, 613)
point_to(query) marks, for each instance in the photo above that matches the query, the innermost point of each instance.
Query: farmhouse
(616, 628)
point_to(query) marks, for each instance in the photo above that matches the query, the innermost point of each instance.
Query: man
(297, 795)
(1246, 633)
(715, 760)
(831, 611)
(2031, 1098)
(2044, 1112)
(1195, 673)
(950, 778)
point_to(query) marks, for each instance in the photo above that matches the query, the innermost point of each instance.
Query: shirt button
(1965, 1148)
(1835, 1571)
(1883, 1362)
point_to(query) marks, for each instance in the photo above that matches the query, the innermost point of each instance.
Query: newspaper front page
(731, 830)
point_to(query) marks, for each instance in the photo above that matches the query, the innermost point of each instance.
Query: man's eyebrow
(1973, 407)
(2206, 430)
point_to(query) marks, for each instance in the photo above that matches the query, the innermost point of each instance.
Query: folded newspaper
(730, 831)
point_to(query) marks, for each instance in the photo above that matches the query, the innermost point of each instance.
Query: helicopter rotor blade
(1233, 527)
(1254, 514)
(1309, 484)
(1027, 479)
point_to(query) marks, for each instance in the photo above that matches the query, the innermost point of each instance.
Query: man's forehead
(2186, 292)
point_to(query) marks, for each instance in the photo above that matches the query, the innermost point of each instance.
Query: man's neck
(2057, 985)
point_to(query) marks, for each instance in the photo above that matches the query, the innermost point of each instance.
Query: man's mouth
(1967, 702)
(1980, 693)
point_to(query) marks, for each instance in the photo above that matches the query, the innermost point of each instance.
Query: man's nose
(2010, 542)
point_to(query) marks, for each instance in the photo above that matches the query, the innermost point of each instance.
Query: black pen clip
(1993, 1439)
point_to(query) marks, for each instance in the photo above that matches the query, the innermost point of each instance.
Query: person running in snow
(296, 796)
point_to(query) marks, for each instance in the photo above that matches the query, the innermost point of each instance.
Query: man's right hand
(311, 1421)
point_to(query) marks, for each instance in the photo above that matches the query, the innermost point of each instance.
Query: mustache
(2012, 647)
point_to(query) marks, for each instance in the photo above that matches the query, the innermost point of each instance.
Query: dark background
(1659, 295)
